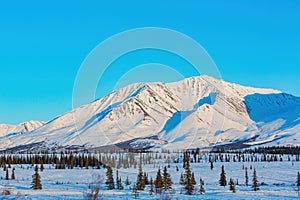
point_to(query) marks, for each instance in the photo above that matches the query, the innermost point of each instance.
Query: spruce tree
(13, 174)
(246, 177)
(146, 178)
(202, 190)
(151, 186)
(193, 181)
(42, 167)
(182, 181)
(36, 180)
(7, 175)
(222, 180)
(158, 182)
(135, 192)
(120, 184)
(231, 185)
(127, 182)
(140, 184)
(166, 180)
(255, 181)
(211, 165)
(298, 183)
(109, 178)
(117, 180)
(188, 177)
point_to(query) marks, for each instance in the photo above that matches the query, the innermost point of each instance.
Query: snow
(6, 129)
(195, 112)
(279, 179)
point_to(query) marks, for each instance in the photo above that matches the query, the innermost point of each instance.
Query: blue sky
(42, 45)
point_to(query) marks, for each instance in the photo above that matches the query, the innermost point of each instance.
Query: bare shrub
(94, 188)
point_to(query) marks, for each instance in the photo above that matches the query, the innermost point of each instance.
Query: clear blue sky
(43, 43)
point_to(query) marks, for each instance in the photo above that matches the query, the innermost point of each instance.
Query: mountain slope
(22, 128)
(195, 112)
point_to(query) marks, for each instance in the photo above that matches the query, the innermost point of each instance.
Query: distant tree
(158, 181)
(193, 181)
(188, 178)
(255, 181)
(202, 190)
(231, 185)
(222, 180)
(7, 174)
(36, 180)
(86, 163)
(186, 159)
(182, 181)
(13, 174)
(42, 166)
(140, 184)
(166, 180)
(146, 178)
(119, 181)
(151, 191)
(120, 185)
(127, 182)
(246, 177)
(109, 178)
(135, 192)
(298, 183)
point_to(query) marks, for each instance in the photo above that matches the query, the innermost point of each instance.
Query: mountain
(195, 112)
(6, 129)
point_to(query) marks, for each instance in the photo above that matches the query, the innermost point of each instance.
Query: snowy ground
(279, 177)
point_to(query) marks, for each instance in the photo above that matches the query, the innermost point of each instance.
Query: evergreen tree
(42, 166)
(13, 174)
(135, 192)
(151, 186)
(231, 185)
(193, 181)
(140, 184)
(127, 182)
(202, 190)
(120, 184)
(109, 178)
(158, 182)
(255, 181)
(186, 159)
(146, 178)
(166, 180)
(211, 165)
(117, 180)
(222, 180)
(7, 175)
(36, 180)
(298, 183)
(188, 177)
(246, 177)
(182, 181)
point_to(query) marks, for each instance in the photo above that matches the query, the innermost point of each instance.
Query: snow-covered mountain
(6, 129)
(195, 112)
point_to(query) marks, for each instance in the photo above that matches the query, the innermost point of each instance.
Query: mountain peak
(6, 129)
(195, 112)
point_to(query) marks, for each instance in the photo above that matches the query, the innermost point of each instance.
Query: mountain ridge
(194, 112)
